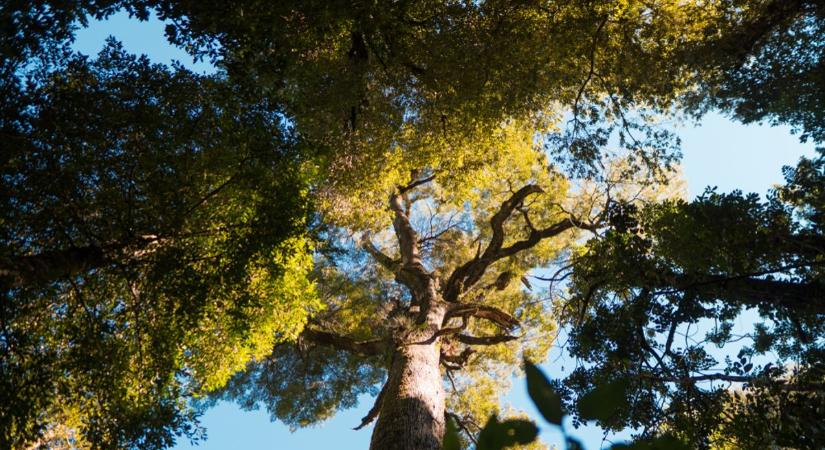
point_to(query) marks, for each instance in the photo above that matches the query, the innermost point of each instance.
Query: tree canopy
(141, 208)
(666, 284)
(359, 175)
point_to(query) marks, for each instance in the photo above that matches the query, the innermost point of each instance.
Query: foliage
(153, 240)
(762, 60)
(601, 402)
(362, 78)
(654, 302)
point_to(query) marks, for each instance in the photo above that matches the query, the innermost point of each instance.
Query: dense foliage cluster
(137, 213)
(361, 176)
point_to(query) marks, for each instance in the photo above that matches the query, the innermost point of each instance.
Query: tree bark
(413, 404)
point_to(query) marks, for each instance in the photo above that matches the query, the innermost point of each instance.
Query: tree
(668, 281)
(762, 60)
(428, 293)
(140, 207)
(356, 76)
(213, 235)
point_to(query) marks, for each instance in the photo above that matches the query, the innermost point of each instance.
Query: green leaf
(602, 402)
(451, 441)
(544, 396)
(498, 435)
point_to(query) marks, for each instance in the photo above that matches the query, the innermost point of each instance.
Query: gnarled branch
(368, 347)
(484, 340)
(468, 274)
(491, 313)
(373, 412)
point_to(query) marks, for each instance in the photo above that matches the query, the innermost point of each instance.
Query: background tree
(153, 239)
(677, 266)
(666, 284)
(762, 60)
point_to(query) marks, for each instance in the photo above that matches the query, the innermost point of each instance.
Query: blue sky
(717, 152)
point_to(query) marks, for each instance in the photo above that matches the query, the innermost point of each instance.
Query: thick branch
(484, 340)
(33, 270)
(379, 256)
(404, 231)
(795, 296)
(781, 384)
(470, 272)
(368, 347)
(38, 269)
(411, 271)
(491, 313)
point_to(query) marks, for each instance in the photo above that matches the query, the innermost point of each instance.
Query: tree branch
(491, 313)
(411, 271)
(484, 340)
(458, 360)
(796, 296)
(368, 347)
(379, 256)
(466, 275)
(37, 269)
(374, 411)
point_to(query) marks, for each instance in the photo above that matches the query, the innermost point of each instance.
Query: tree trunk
(412, 408)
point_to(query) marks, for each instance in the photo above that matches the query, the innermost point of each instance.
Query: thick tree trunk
(412, 408)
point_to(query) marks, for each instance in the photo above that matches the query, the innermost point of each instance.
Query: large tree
(152, 240)
(427, 286)
(428, 293)
(656, 299)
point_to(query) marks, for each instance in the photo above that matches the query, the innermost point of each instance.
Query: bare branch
(491, 313)
(368, 347)
(374, 411)
(379, 256)
(484, 340)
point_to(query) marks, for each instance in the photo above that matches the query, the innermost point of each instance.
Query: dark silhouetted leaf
(451, 441)
(498, 435)
(544, 396)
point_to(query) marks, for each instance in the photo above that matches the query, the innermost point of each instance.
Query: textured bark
(413, 407)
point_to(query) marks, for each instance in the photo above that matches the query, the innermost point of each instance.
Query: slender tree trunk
(412, 409)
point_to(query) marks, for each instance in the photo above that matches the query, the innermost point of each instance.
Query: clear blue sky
(719, 153)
